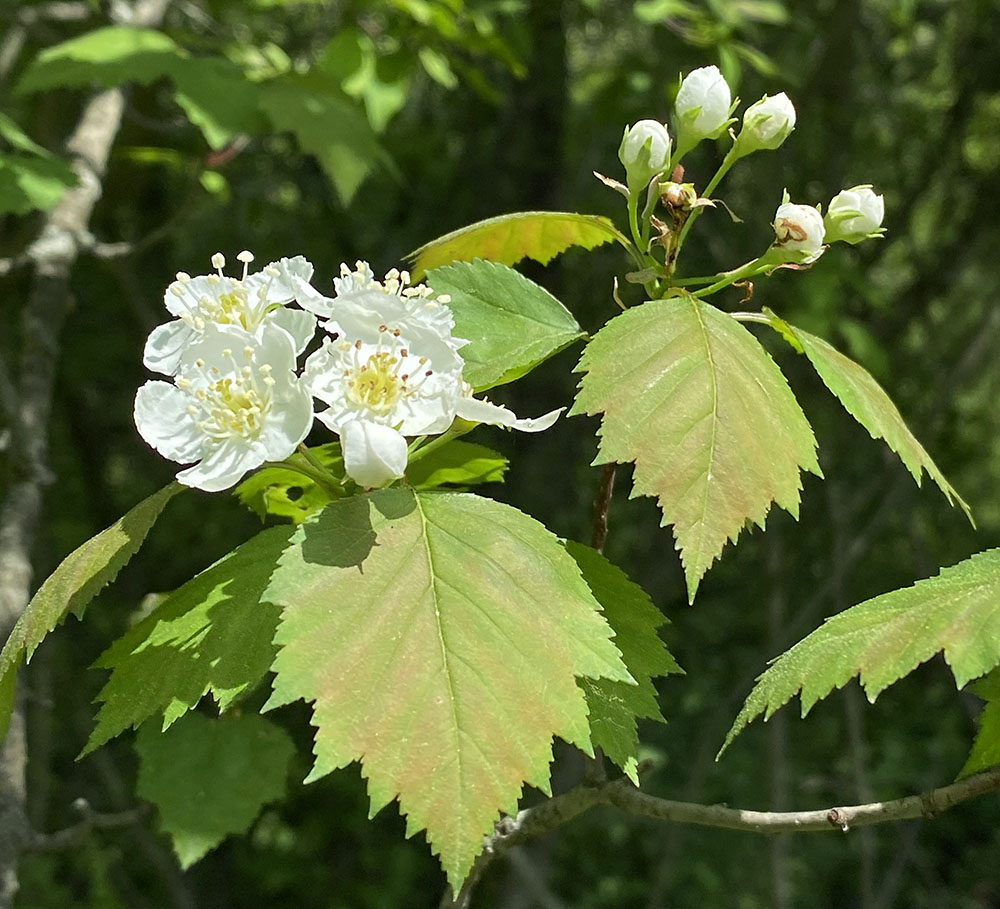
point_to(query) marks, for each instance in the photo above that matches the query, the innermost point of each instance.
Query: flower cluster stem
(727, 162)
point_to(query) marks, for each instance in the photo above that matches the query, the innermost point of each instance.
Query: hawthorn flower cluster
(703, 109)
(388, 367)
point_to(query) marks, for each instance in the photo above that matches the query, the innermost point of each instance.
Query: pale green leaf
(457, 463)
(716, 435)
(883, 639)
(986, 748)
(511, 323)
(867, 402)
(211, 635)
(615, 706)
(80, 577)
(108, 56)
(538, 235)
(439, 637)
(209, 778)
(32, 183)
(327, 126)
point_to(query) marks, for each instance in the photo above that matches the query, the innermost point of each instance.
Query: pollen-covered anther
(219, 261)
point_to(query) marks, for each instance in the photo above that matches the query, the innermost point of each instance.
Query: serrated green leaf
(32, 183)
(866, 401)
(439, 637)
(107, 56)
(511, 323)
(457, 463)
(615, 706)
(77, 580)
(209, 778)
(887, 637)
(716, 434)
(327, 126)
(212, 635)
(538, 235)
(986, 748)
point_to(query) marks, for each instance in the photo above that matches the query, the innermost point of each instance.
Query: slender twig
(532, 823)
(602, 504)
(91, 820)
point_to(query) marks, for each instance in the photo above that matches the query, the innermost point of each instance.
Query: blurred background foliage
(345, 130)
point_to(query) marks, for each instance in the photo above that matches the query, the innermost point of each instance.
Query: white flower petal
(300, 325)
(289, 422)
(478, 411)
(224, 466)
(292, 278)
(374, 455)
(163, 421)
(165, 346)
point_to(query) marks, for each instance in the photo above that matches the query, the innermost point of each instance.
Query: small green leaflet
(716, 434)
(209, 778)
(866, 401)
(538, 235)
(285, 493)
(511, 323)
(439, 637)
(108, 56)
(887, 637)
(986, 748)
(615, 706)
(212, 635)
(76, 581)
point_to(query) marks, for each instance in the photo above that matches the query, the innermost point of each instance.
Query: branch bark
(52, 257)
(621, 794)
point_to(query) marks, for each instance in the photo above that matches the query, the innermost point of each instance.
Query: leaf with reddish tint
(440, 637)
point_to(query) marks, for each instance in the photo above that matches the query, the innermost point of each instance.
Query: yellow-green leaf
(538, 235)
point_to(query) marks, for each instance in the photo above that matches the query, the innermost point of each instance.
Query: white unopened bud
(702, 105)
(766, 124)
(854, 215)
(798, 232)
(645, 152)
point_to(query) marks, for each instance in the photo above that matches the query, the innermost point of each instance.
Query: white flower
(854, 215)
(799, 232)
(251, 302)
(702, 105)
(361, 304)
(389, 370)
(645, 152)
(236, 403)
(766, 124)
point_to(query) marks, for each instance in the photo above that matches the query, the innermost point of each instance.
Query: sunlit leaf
(716, 435)
(107, 56)
(209, 778)
(986, 748)
(867, 402)
(538, 235)
(78, 579)
(439, 637)
(31, 183)
(511, 323)
(211, 635)
(615, 706)
(887, 637)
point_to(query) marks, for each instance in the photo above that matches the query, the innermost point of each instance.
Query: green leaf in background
(107, 56)
(77, 580)
(327, 126)
(511, 323)
(887, 637)
(209, 778)
(19, 140)
(615, 706)
(716, 435)
(218, 98)
(439, 637)
(538, 235)
(29, 183)
(866, 401)
(211, 635)
(986, 748)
